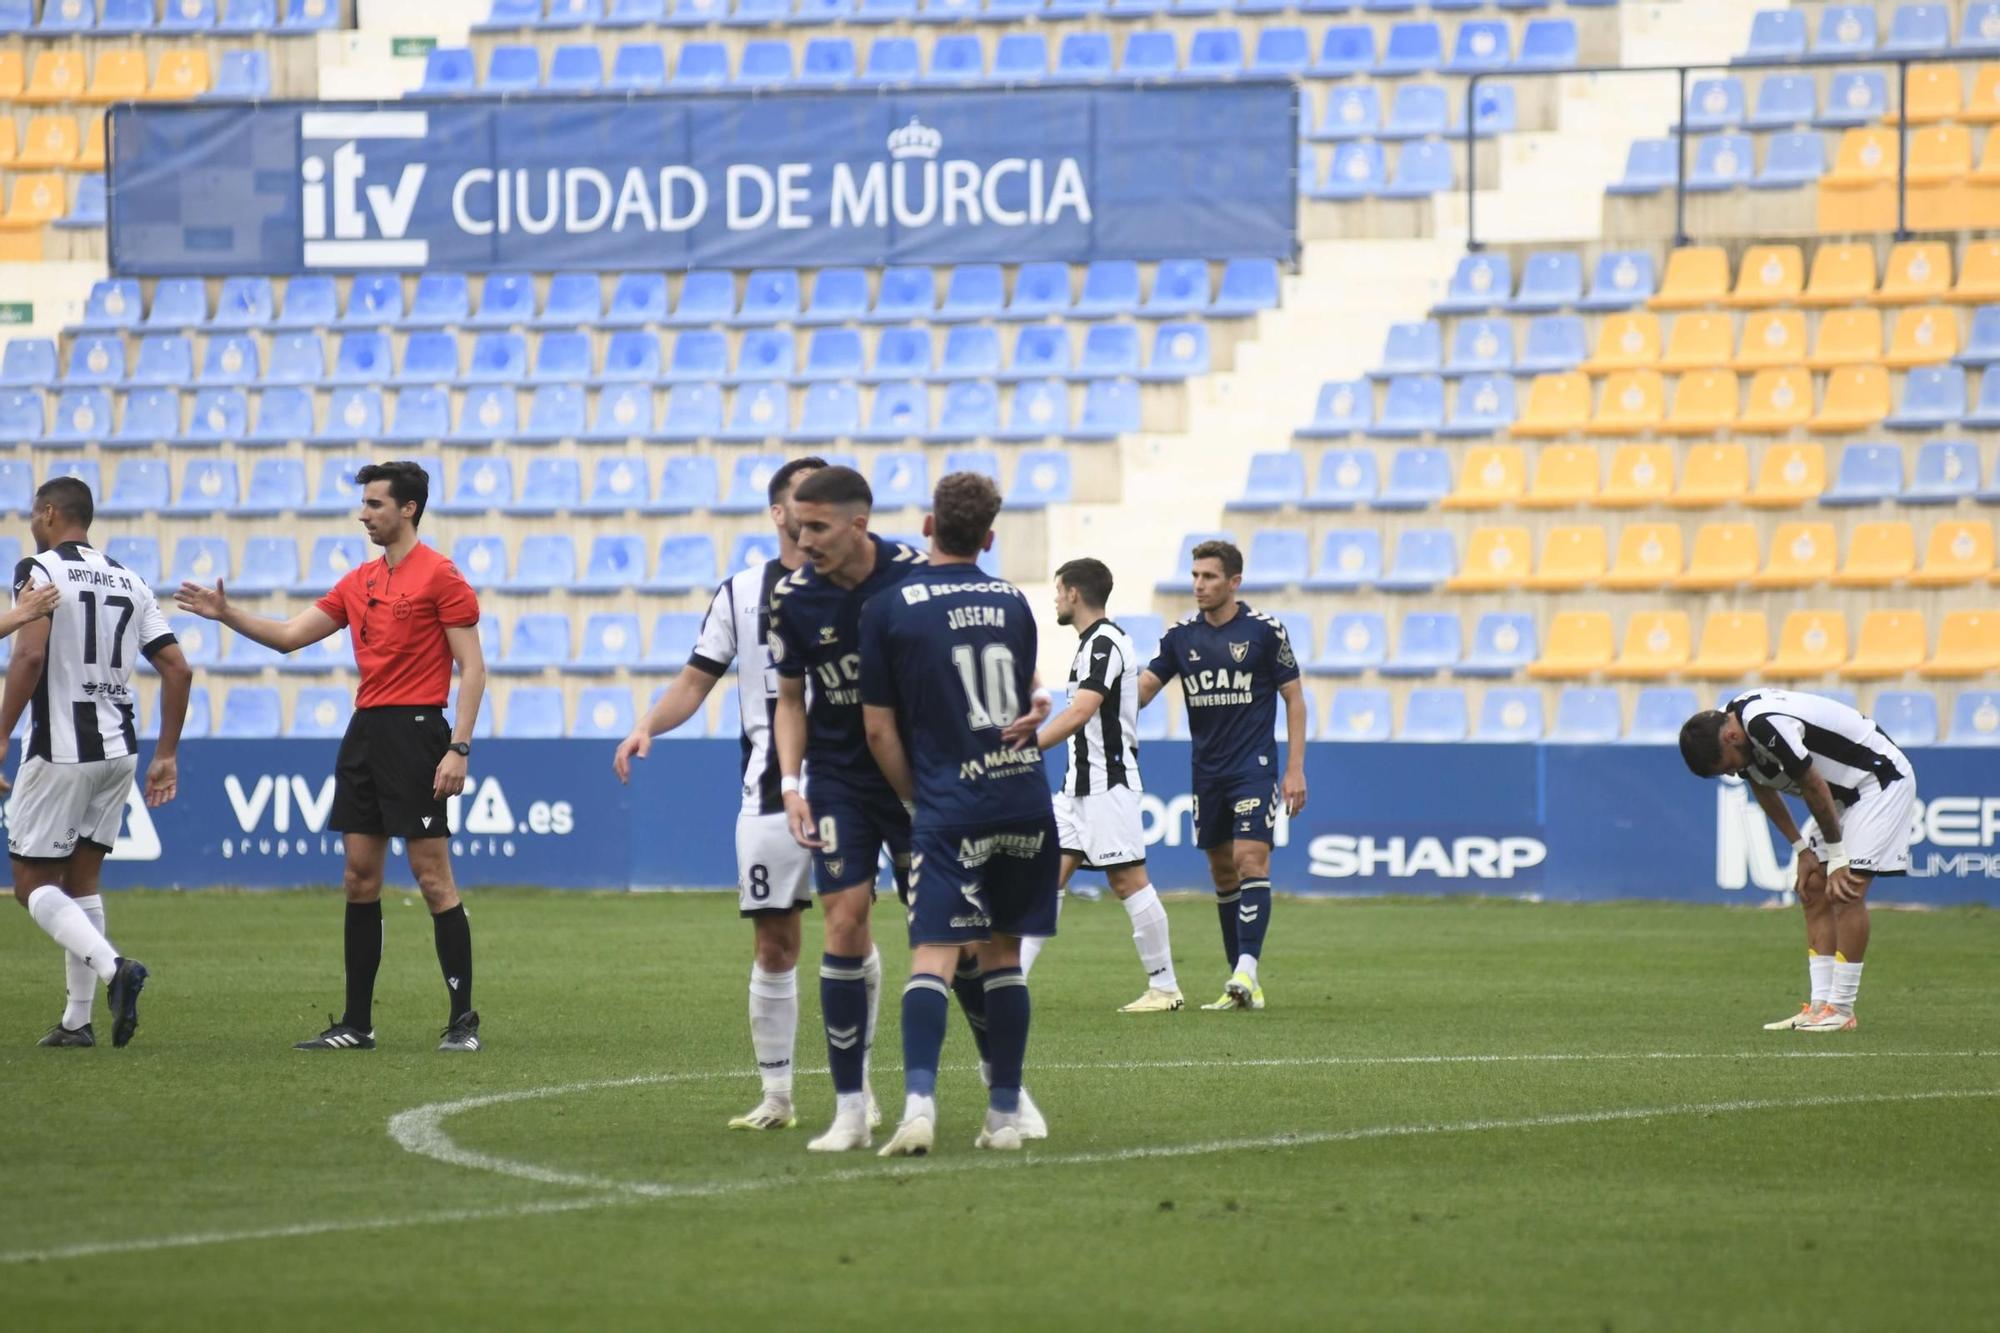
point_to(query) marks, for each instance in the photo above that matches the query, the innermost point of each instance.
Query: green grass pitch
(1453, 1115)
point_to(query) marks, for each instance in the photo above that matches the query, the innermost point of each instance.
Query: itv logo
(351, 222)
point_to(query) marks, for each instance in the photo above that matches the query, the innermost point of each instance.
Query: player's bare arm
(463, 641)
(1071, 720)
(1149, 686)
(286, 636)
(1022, 729)
(34, 604)
(24, 672)
(676, 704)
(788, 732)
(885, 742)
(1780, 815)
(1293, 788)
(1842, 884)
(176, 682)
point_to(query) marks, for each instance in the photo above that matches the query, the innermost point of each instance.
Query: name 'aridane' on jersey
(107, 619)
(816, 634)
(1229, 676)
(953, 652)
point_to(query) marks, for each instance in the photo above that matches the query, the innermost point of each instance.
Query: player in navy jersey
(1233, 664)
(947, 667)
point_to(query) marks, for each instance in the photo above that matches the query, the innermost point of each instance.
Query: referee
(410, 615)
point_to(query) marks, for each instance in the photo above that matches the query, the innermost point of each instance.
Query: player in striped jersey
(1861, 791)
(773, 872)
(1097, 814)
(72, 673)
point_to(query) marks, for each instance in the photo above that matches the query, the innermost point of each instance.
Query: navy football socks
(1226, 906)
(925, 1011)
(1253, 917)
(843, 1000)
(1007, 1034)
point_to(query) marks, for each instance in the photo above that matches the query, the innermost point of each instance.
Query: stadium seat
(1721, 162)
(1946, 472)
(1714, 104)
(684, 564)
(1552, 343)
(483, 560)
(1658, 714)
(1878, 554)
(1968, 646)
(1343, 408)
(1844, 338)
(1479, 285)
(1649, 556)
(1424, 558)
(1634, 403)
(1491, 476)
(1346, 50)
(1496, 558)
(1411, 349)
(1975, 719)
(1933, 396)
(1868, 474)
(250, 712)
(1784, 101)
(1437, 715)
(533, 712)
(1801, 554)
(1412, 405)
(1348, 560)
(1908, 717)
(1418, 479)
(1579, 644)
(208, 486)
(1917, 271)
(1503, 644)
(540, 642)
(1734, 644)
(1628, 341)
(1640, 475)
(1426, 644)
(1043, 478)
(1621, 280)
(151, 416)
(1780, 401)
(1355, 642)
(1792, 161)
(1810, 644)
(1275, 480)
(542, 563)
(320, 713)
(1696, 275)
(1704, 403)
(140, 485)
(1509, 714)
(1481, 346)
(1572, 557)
(1358, 715)
(1558, 404)
(1482, 406)
(1788, 476)
(270, 564)
(1768, 275)
(1713, 474)
(1586, 716)
(1657, 644)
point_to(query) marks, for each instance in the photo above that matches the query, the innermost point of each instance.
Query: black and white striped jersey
(1104, 753)
(82, 706)
(737, 626)
(1791, 732)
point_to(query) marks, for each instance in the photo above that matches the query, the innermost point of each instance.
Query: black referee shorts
(382, 781)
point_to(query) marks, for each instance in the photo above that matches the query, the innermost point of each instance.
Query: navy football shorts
(968, 885)
(853, 831)
(1241, 811)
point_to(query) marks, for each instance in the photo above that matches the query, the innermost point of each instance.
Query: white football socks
(774, 1026)
(79, 980)
(1149, 935)
(915, 1106)
(69, 925)
(1846, 984)
(1819, 969)
(1031, 945)
(871, 979)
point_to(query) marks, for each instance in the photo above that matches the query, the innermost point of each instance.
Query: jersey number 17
(124, 607)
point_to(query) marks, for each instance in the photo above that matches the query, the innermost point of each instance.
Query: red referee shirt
(396, 619)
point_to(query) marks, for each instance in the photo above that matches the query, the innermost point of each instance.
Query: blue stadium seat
(141, 555)
(96, 359)
(898, 411)
(638, 67)
(482, 486)
(829, 412)
(309, 16)
(1547, 43)
(673, 637)
(1281, 53)
(442, 300)
(1503, 643)
(1933, 396)
(1426, 643)
(1650, 167)
(200, 640)
(892, 61)
(630, 355)
(770, 296)
(1659, 713)
(1909, 716)
(366, 358)
(1247, 286)
(828, 62)
(1412, 405)
(1791, 161)
(164, 359)
(152, 416)
(82, 416)
(1854, 98)
(335, 492)
(1777, 35)
(1550, 280)
(1784, 101)
(1180, 287)
(1436, 715)
(1418, 479)
(564, 357)
(972, 352)
(1343, 408)
(1553, 342)
(488, 414)
(1347, 560)
(749, 483)
(1979, 28)
(1347, 478)
(353, 416)
(1868, 474)
(449, 71)
(1982, 343)
(1917, 30)
(603, 712)
(1947, 471)
(637, 299)
(1345, 50)
(1356, 641)
(1358, 715)
(1587, 716)
(839, 295)
(1621, 280)
(757, 13)
(549, 486)
(1042, 477)
(574, 300)
(1411, 349)
(1845, 31)
(178, 303)
(1021, 58)
(1714, 104)
(1149, 55)
(277, 486)
(1358, 169)
(1479, 285)
(540, 643)
(1214, 53)
(483, 560)
(1418, 111)
(610, 643)
(1424, 558)
(974, 291)
(375, 300)
(543, 563)
(309, 303)
(1110, 288)
(1483, 405)
(764, 63)
(971, 411)
(555, 413)
(766, 354)
(208, 486)
(17, 489)
(1975, 718)
(219, 416)
(231, 358)
(1722, 162)
(1481, 47)
(618, 485)
(957, 59)
(29, 362)
(320, 712)
(1275, 480)
(1083, 57)
(497, 358)
(902, 354)
(699, 357)
(270, 564)
(1412, 48)
(1110, 408)
(1180, 350)
(759, 412)
(250, 712)
(113, 303)
(533, 712)
(1510, 714)
(576, 67)
(1036, 410)
(702, 66)
(1276, 559)
(140, 485)
(1481, 346)
(1039, 350)
(694, 412)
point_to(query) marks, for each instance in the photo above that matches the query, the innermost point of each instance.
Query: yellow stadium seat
(21, 246)
(1849, 337)
(1940, 165)
(1917, 271)
(1983, 188)
(12, 68)
(56, 76)
(1495, 559)
(1960, 551)
(1704, 403)
(34, 200)
(120, 75)
(1878, 554)
(1772, 338)
(182, 74)
(1810, 643)
(1713, 474)
(1733, 644)
(1841, 275)
(1781, 400)
(51, 141)
(1627, 341)
(9, 146)
(1933, 93)
(1924, 335)
(1982, 107)
(1649, 556)
(1578, 643)
(1857, 397)
(1491, 475)
(1558, 404)
(1788, 476)
(1696, 275)
(1699, 341)
(1565, 476)
(1641, 475)
(1572, 557)
(1859, 193)
(1968, 645)
(1891, 643)
(1634, 402)
(91, 156)
(1978, 274)
(1769, 275)
(1724, 556)
(1657, 644)
(1802, 554)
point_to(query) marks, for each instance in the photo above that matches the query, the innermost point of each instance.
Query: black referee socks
(454, 946)
(364, 959)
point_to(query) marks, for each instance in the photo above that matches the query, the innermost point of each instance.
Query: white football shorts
(773, 873)
(55, 805)
(1875, 830)
(1103, 827)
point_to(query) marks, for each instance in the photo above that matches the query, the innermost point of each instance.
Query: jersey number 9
(1000, 701)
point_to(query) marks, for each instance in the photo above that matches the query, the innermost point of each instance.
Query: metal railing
(1902, 63)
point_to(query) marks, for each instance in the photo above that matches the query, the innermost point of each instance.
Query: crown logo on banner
(915, 139)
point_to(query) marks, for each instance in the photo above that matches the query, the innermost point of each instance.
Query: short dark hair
(68, 496)
(1701, 742)
(1090, 577)
(835, 486)
(781, 480)
(407, 482)
(963, 508)
(1226, 552)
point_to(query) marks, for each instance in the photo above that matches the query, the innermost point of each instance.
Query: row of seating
(1360, 169)
(1103, 289)
(137, 18)
(513, 15)
(1778, 401)
(1848, 32)
(621, 484)
(57, 141)
(1723, 162)
(1933, 92)
(35, 200)
(956, 59)
(957, 412)
(631, 356)
(118, 74)
(1412, 111)
(1788, 476)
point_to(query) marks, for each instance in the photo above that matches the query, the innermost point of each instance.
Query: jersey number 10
(124, 607)
(1000, 702)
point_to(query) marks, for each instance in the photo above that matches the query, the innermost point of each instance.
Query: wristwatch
(460, 747)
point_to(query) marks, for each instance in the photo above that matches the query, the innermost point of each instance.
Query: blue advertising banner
(1546, 821)
(811, 179)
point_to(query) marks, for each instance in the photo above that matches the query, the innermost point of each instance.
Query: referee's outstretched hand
(197, 600)
(636, 746)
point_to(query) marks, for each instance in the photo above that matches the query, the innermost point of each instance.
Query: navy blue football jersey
(953, 652)
(1230, 676)
(816, 633)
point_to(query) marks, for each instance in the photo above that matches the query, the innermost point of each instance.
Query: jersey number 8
(1000, 702)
